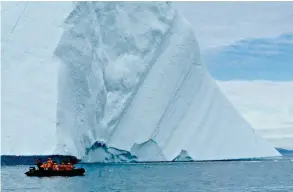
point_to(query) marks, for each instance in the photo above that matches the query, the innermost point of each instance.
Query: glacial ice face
(29, 36)
(99, 152)
(131, 77)
(183, 156)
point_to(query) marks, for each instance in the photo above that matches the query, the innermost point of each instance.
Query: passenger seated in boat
(68, 167)
(48, 165)
(43, 166)
(55, 166)
(39, 164)
(61, 166)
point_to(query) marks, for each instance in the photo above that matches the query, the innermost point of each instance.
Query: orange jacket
(49, 164)
(68, 167)
(61, 167)
(55, 167)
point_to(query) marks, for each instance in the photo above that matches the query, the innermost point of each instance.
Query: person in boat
(39, 164)
(49, 164)
(68, 167)
(55, 166)
(61, 167)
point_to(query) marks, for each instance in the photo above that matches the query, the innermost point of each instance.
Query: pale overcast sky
(223, 23)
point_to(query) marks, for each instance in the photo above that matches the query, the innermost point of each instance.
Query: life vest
(68, 167)
(55, 167)
(61, 167)
(49, 164)
(71, 166)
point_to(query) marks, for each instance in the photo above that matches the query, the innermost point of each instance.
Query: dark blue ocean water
(235, 176)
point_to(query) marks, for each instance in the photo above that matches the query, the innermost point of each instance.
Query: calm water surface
(273, 175)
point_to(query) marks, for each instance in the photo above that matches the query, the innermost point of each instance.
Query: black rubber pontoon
(48, 173)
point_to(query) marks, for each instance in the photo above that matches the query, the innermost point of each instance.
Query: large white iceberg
(132, 86)
(30, 32)
(127, 84)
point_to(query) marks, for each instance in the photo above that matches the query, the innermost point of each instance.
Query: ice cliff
(131, 78)
(113, 82)
(29, 36)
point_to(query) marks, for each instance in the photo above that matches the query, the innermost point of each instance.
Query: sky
(252, 59)
(224, 23)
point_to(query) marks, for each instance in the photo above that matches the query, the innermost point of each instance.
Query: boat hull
(50, 173)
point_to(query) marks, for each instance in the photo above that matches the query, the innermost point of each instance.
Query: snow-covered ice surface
(132, 78)
(29, 36)
(131, 86)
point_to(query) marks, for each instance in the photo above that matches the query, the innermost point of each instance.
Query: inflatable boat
(49, 173)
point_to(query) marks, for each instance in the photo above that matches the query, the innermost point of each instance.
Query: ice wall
(131, 77)
(29, 36)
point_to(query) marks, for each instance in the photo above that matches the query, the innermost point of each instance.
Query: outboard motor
(32, 169)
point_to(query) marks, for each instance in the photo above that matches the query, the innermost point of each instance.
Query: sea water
(228, 176)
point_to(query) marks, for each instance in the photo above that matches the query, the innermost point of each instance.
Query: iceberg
(131, 77)
(29, 36)
(183, 156)
(113, 82)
